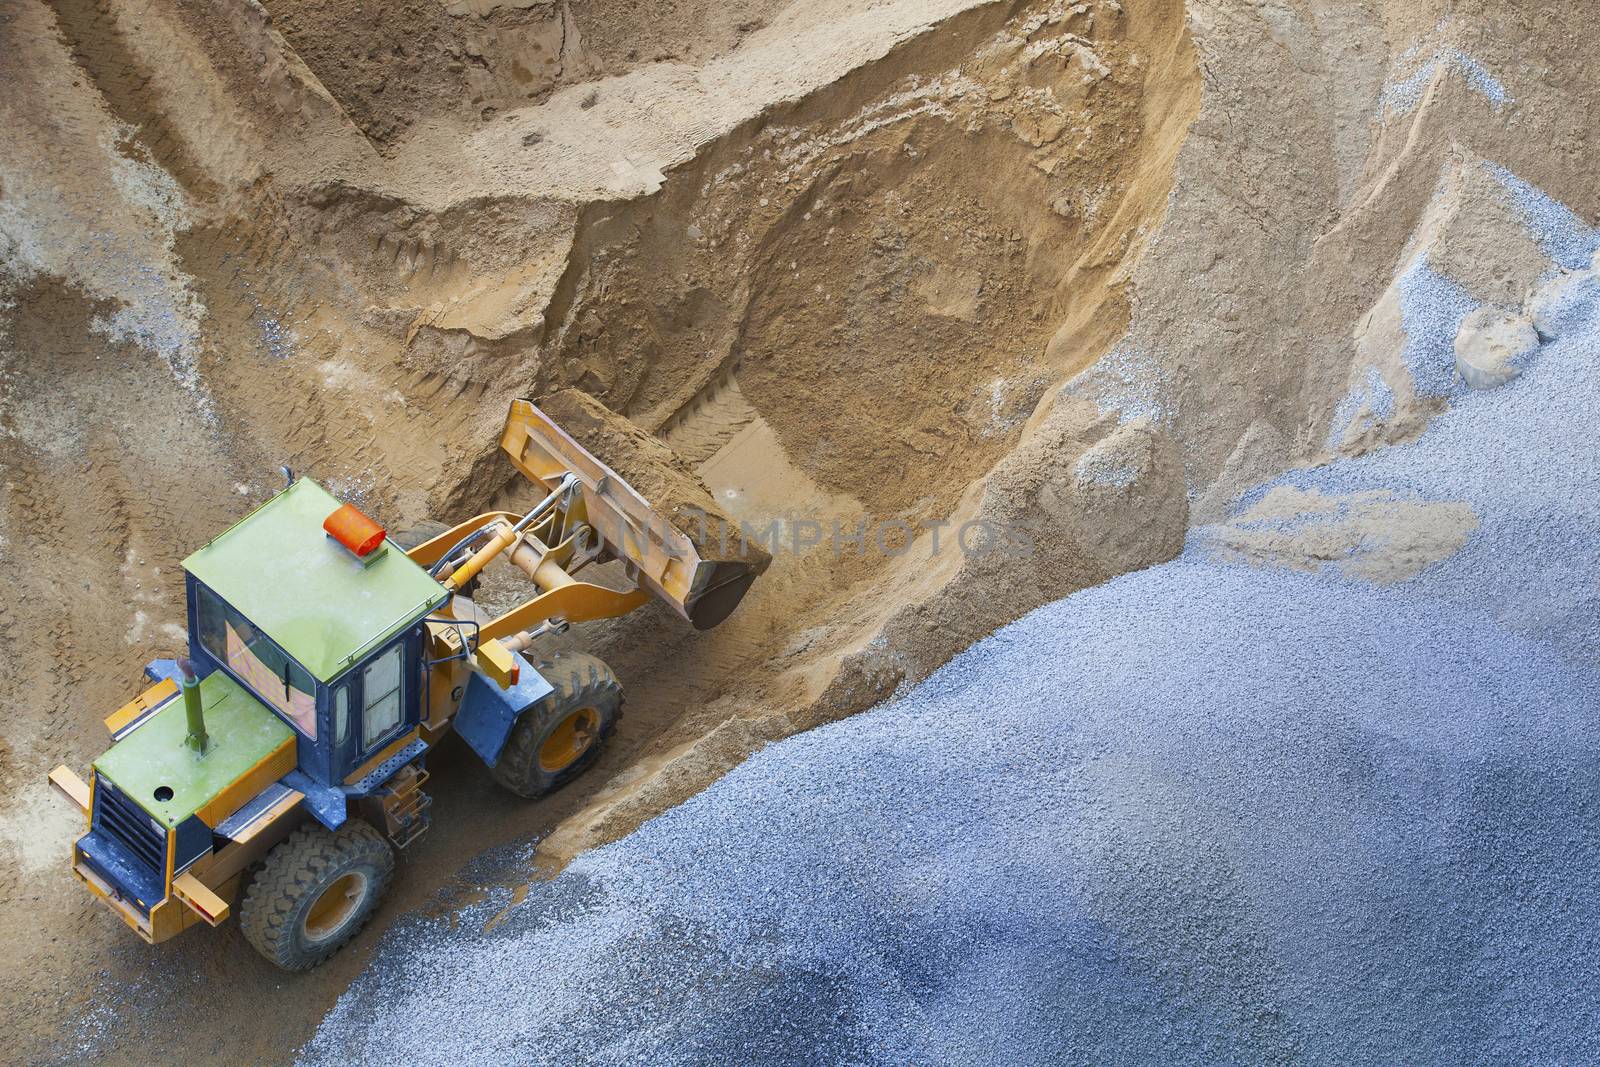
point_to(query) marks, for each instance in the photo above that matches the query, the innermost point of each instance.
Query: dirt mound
(394, 66)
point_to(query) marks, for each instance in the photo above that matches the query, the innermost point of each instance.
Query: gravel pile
(1178, 818)
(1560, 233)
(1524, 456)
(1199, 814)
(1432, 307)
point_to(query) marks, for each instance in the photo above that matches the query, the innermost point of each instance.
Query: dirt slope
(843, 257)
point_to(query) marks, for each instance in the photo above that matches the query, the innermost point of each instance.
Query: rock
(1564, 302)
(1038, 128)
(1491, 346)
(1094, 69)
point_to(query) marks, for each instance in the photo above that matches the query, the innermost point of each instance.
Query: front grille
(121, 818)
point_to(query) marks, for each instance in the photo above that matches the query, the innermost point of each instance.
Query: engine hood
(249, 748)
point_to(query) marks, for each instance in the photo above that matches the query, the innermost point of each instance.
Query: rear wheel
(314, 892)
(556, 739)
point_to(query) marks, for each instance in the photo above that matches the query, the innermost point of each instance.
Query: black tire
(539, 756)
(315, 866)
(423, 532)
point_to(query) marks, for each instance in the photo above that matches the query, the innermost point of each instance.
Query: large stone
(1492, 346)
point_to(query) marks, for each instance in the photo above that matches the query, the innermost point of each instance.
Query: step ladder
(405, 806)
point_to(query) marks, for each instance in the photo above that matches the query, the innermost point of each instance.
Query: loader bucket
(701, 577)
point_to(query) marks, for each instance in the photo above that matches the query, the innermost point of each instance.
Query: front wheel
(556, 739)
(314, 892)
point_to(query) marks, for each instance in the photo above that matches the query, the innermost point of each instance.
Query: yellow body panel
(264, 822)
(162, 691)
(447, 682)
(274, 766)
(497, 663)
(69, 785)
(170, 918)
(210, 907)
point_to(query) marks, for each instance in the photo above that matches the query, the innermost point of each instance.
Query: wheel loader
(274, 769)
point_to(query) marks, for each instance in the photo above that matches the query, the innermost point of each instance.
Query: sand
(840, 257)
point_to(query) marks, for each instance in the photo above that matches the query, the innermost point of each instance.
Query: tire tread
(293, 868)
(579, 679)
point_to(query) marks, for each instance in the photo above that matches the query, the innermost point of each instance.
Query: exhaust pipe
(189, 686)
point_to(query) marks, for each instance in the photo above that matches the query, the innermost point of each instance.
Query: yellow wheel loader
(274, 770)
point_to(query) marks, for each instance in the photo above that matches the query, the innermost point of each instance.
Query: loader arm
(429, 552)
(560, 596)
(589, 514)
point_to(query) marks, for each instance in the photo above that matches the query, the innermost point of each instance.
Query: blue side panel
(122, 870)
(161, 670)
(488, 712)
(327, 803)
(193, 841)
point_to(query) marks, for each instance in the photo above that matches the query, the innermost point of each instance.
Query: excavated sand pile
(963, 305)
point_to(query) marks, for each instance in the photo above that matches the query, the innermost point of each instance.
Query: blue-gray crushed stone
(1561, 234)
(1402, 97)
(1567, 306)
(1432, 308)
(1200, 814)
(1372, 398)
(1130, 383)
(1196, 815)
(1527, 458)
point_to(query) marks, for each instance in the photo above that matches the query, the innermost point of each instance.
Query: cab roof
(306, 591)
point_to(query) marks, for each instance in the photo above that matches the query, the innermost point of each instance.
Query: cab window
(257, 661)
(380, 687)
(341, 715)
